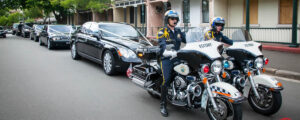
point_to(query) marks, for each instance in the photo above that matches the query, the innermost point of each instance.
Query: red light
(205, 69)
(129, 71)
(266, 61)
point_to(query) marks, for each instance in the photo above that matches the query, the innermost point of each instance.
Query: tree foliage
(3, 21)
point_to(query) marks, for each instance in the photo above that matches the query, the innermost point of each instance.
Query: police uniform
(166, 37)
(211, 34)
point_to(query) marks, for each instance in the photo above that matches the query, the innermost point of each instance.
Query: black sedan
(56, 36)
(2, 32)
(111, 44)
(35, 32)
(26, 29)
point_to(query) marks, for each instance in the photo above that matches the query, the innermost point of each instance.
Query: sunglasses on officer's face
(219, 25)
(172, 18)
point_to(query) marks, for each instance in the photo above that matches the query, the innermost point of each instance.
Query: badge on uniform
(178, 36)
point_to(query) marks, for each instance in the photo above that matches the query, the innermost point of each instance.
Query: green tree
(14, 18)
(33, 12)
(3, 21)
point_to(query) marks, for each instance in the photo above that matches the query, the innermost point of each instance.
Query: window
(205, 11)
(186, 11)
(131, 14)
(143, 13)
(286, 12)
(253, 13)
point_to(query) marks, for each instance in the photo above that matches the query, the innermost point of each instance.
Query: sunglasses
(172, 18)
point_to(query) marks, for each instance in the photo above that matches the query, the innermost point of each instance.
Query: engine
(182, 91)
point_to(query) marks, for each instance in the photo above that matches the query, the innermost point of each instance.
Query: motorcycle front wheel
(269, 103)
(226, 110)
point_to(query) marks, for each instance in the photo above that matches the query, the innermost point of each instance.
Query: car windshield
(15, 25)
(39, 27)
(119, 29)
(60, 29)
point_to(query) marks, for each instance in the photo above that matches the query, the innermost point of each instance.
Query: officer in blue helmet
(168, 36)
(217, 25)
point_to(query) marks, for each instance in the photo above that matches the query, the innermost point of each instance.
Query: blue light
(226, 64)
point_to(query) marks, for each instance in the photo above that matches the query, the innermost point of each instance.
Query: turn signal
(204, 80)
(140, 54)
(224, 75)
(264, 70)
(249, 73)
(231, 100)
(119, 53)
(279, 84)
(266, 61)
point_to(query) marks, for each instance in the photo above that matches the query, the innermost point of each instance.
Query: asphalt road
(41, 84)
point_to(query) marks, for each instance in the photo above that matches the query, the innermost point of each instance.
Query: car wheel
(41, 43)
(4, 36)
(108, 63)
(49, 45)
(74, 53)
(14, 33)
(36, 39)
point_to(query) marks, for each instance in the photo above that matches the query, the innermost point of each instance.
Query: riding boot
(163, 101)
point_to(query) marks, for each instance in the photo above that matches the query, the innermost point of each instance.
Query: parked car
(26, 29)
(109, 44)
(9, 31)
(35, 32)
(56, 36)
(15, 28)
(2, 32)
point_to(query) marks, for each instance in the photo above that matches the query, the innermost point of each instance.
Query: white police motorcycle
(200, 63)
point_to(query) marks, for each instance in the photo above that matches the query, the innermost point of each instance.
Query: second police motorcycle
(193, 86)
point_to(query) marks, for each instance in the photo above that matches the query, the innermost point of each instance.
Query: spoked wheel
(225, 110)
(269, 102)
(74, 53)
(108, 63)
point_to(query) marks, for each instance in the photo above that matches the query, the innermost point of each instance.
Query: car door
(93, 43)
(82, 38)
(44, 34)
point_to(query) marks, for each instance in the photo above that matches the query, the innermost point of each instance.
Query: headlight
(259, 62)
(26, 29)
(127, 53)
(216, 67)
(56, 38)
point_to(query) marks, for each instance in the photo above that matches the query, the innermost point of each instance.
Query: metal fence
(271, 35)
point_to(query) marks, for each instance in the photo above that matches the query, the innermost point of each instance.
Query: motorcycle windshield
(239, 35)
(196, 34)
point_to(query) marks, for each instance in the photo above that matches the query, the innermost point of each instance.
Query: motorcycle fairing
(205, 47)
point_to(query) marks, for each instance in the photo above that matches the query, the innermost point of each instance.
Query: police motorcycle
(192, 87)
(244, 71)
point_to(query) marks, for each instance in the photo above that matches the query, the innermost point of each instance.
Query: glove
(169, 53)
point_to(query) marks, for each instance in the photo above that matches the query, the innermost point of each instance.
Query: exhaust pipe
(138, 82)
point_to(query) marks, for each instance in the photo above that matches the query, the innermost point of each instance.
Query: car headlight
(127, 53)
(259, 62)
(56, 38)
(216, 67)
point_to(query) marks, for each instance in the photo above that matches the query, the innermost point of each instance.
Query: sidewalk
(284, 60)
(280, 47)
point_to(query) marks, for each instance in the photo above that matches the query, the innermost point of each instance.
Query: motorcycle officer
(217, 25)
(166, 36)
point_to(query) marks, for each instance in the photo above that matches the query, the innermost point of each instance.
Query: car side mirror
(96, 35)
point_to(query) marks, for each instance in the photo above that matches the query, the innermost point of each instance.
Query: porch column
(125, 14)
(135, 15)
(294, 26)
(247, 15)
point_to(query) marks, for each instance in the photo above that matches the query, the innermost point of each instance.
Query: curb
(281, 48)
(283, 73)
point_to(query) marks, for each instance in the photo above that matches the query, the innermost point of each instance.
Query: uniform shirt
(166, 36)
(217, 37)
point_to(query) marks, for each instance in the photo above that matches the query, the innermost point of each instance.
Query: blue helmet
(217, 20)
(171, 14)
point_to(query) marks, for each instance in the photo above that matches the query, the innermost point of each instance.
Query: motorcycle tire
(233, 110)
(277, 101)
